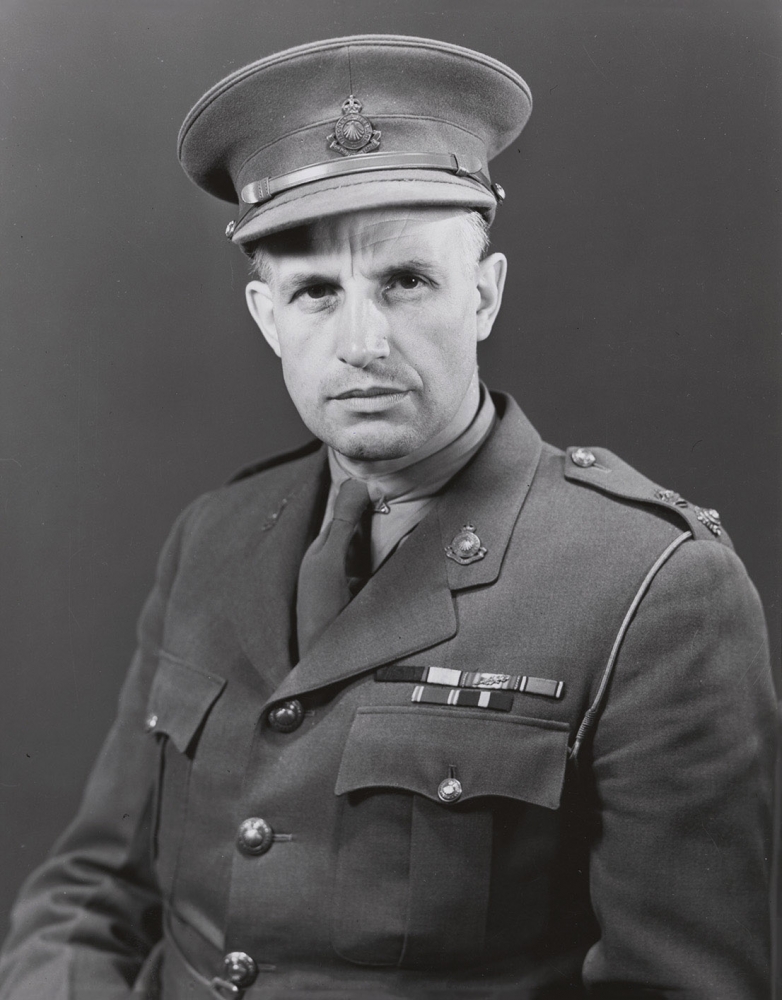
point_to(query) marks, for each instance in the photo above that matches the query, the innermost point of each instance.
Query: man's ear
(261, 306)
(490, 283)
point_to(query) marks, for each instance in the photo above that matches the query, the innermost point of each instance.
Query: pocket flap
(415, 749)
(180, 699)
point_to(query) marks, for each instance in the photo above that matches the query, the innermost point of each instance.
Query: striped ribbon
(429, 695)
(482, 680)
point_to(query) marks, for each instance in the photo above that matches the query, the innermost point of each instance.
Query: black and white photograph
(390, 462)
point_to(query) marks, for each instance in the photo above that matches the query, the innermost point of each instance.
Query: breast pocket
(422, 790)
(179, 703)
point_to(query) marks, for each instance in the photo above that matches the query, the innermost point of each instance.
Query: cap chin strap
(258, 192)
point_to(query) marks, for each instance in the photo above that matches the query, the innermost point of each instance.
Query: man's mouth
(368, 392)
(371, 399)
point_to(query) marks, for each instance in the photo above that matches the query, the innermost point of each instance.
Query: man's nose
(362, 336)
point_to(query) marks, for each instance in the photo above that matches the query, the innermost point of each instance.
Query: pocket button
(449, 790)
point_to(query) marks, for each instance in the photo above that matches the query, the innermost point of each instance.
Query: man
(429, 708)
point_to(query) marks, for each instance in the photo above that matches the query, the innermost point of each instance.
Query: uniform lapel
(260, 589)
(407, 606)
(489, 494)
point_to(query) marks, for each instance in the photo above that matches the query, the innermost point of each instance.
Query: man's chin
(374, 446)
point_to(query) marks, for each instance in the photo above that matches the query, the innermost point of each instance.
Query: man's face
(376, 316)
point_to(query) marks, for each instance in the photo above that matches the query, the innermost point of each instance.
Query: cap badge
(353, 133)
(465, 547)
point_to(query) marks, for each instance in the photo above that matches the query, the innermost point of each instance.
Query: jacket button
(449, 790)
(255, 836)
(239, 969)
(286, 717)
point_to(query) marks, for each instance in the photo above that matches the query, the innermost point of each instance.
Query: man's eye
(316, 291)
(408, 282)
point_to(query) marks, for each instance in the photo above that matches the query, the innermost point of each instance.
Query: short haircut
(475, 235)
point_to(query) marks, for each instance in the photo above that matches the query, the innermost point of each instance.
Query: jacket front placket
(407, 606)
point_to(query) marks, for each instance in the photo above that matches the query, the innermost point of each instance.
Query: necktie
(335, 566)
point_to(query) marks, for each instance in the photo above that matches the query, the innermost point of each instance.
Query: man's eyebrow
(411, 264)
(298, 279)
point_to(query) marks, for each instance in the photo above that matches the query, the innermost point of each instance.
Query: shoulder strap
(604, 471)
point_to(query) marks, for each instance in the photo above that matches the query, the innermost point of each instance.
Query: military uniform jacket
(611, 842)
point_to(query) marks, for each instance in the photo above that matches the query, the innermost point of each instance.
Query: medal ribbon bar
(427, 694)
(482, 680)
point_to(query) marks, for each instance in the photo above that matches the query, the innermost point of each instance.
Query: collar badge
(465, 547)
(353, 133)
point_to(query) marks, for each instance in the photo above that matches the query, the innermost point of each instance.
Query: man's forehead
(378, 233)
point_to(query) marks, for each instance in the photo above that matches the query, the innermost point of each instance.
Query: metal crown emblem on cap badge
(353, 133)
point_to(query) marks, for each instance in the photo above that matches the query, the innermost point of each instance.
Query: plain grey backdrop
(642, 311)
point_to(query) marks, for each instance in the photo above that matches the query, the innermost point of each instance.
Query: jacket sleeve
(85, 920)
(683, 760)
